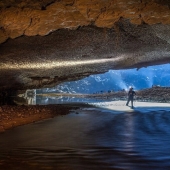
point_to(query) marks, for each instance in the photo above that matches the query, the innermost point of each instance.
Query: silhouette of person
(131, 94)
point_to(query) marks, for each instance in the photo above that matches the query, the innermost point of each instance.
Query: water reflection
(64, 99)
(29, 96)
(94, 139)
(129, 133)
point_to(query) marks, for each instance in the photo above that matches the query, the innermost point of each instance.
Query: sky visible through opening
(116, 80)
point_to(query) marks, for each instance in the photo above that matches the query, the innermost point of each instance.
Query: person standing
(131, 95)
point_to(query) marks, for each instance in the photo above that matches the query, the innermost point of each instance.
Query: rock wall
(47, 42)
(31, 17)
(66, 55)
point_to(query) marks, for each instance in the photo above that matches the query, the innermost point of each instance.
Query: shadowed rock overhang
(44, 43)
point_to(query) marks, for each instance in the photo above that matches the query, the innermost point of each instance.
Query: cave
(48, 42)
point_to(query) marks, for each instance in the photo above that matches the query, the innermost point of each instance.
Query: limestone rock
(162, 31)
(154, 13)
(56, 16)
(67, 55)
(3, 36)
(41, 18)
(52, 41)
(14, 21)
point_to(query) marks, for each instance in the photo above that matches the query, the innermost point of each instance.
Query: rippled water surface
(90, 139)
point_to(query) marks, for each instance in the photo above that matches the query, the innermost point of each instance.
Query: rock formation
(47, 42)
(32, 18)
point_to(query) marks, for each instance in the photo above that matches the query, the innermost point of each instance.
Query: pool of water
(90, 139)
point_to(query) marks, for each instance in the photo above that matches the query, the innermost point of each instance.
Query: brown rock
(154, 13)
(136, 37)
(19, 115)
(3, 36)
(21, 19)
(2, 129)
(14, 21)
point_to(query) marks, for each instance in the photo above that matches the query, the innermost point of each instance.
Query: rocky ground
(155, 94)
(16, 115)
(12, 116)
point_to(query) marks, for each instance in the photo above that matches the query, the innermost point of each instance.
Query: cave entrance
(105, 87)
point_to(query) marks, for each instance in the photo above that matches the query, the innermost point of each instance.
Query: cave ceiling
(47, 42)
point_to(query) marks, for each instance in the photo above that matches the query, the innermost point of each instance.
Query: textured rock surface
(12, 116)
(47, 42)
(34, 62)
(42, 17)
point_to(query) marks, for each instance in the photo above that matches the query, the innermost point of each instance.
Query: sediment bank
(13, 116)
